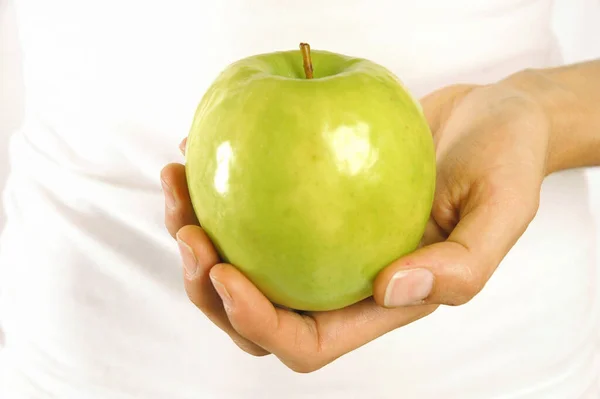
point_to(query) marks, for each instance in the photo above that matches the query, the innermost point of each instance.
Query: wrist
(573, 125)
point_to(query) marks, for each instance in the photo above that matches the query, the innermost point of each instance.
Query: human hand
(491, 147)
(303, 341)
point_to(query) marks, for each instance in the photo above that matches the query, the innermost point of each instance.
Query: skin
(495, 144)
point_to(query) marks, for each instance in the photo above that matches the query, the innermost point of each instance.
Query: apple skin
(310, 187)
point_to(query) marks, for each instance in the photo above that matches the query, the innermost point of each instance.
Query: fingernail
(408, 287)
(182, 145)
(190, 263)
(222, 291)
(169, 198)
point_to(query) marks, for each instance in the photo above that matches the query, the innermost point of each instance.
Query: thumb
(452, 272)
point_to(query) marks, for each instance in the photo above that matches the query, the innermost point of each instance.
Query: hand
(491, 147)
(305, 341)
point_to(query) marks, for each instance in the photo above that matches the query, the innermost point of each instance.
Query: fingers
(197, 252)
(199, 256)
(254, 317)
(452, 272)
(178, 208)
(304, 342)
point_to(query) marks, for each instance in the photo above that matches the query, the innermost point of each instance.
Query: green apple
(310, 186)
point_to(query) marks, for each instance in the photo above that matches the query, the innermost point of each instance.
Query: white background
(577, 30)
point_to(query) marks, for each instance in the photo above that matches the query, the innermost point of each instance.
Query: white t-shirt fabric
(92, 303)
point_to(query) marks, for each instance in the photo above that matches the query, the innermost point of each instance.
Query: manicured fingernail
(182, 145)
(408, 287)
(222, 291)
(169, 198)
(190, 263)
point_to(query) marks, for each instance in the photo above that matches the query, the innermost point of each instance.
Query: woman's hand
(303, 342)
(491, 145)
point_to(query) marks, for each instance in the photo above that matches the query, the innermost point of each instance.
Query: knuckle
(305, 367)
(473, 287)
(462, 298)
(308, 363)
(249, 348)
(531, 207)
(258, 353)
(470, 285)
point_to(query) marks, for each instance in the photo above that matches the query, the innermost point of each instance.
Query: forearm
(570, 96)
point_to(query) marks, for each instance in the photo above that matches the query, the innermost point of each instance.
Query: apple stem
(308, 67)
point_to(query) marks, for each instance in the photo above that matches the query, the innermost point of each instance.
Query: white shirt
(92, 301)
